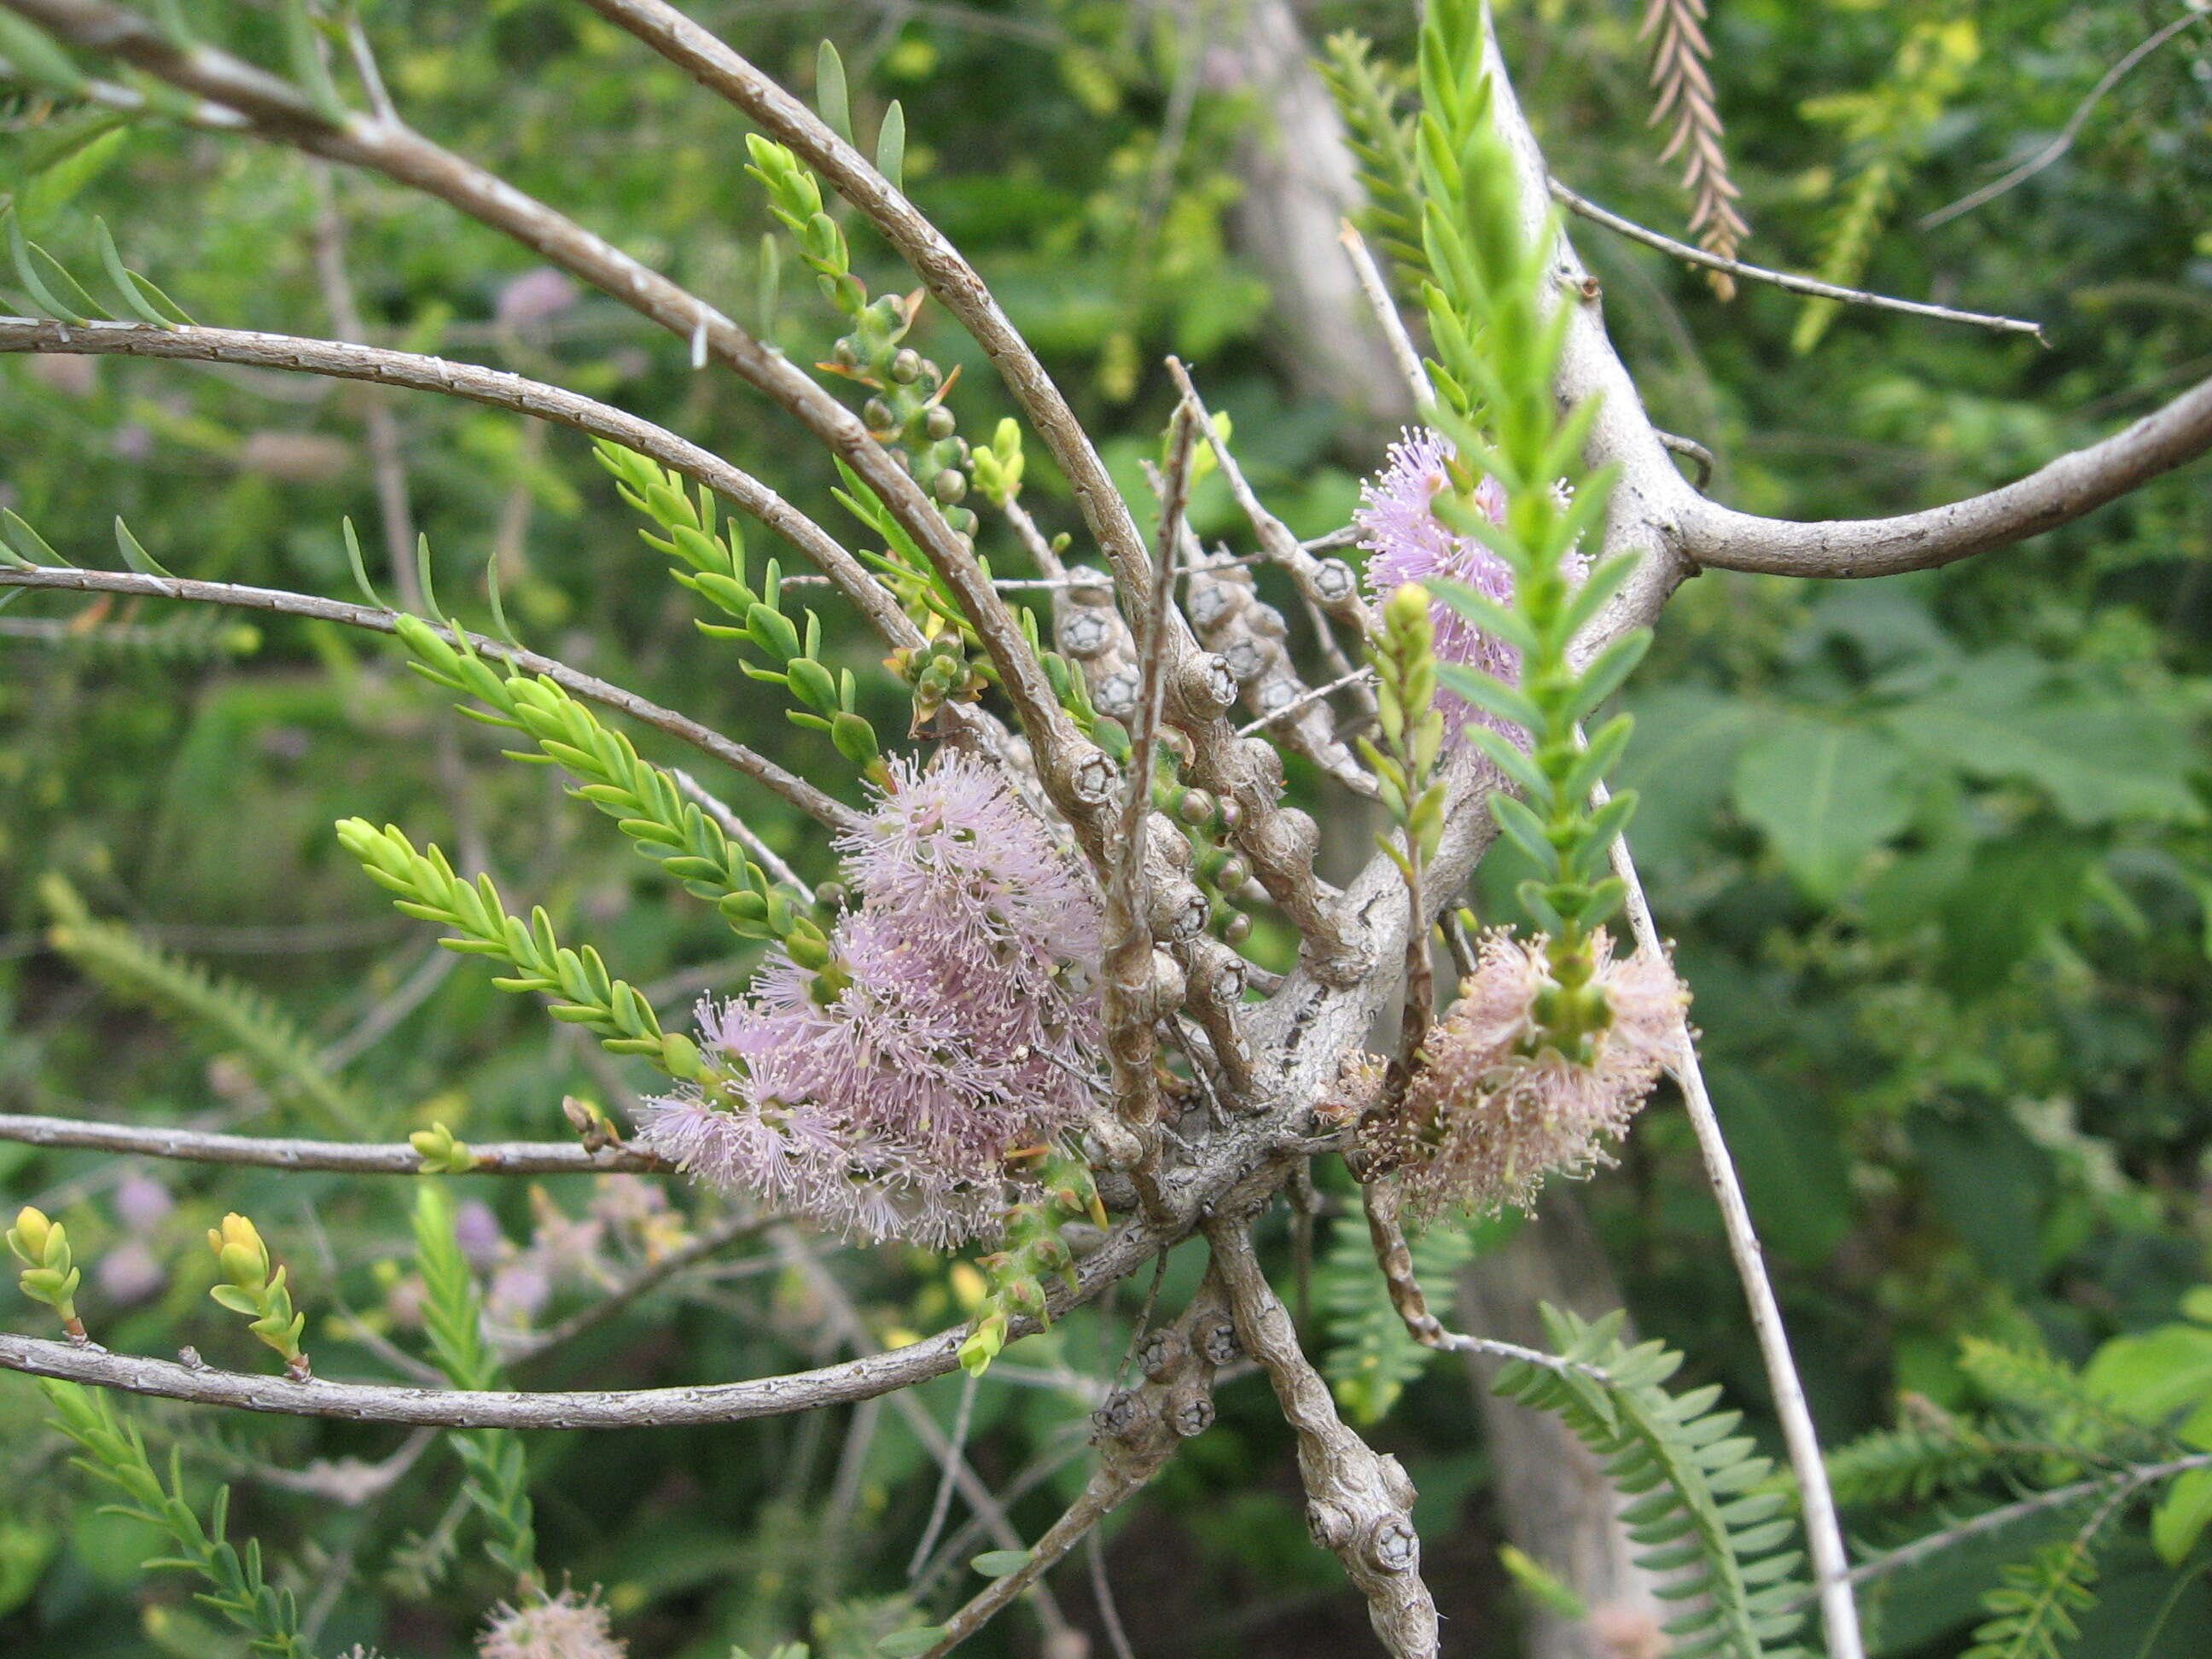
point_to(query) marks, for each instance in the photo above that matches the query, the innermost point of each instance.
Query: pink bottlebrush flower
(967, 1029)
(1406, 542)
(951, 851)
(1486, 1119)
(563, 1626)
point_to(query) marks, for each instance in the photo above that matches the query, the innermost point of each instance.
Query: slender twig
(1357, 677)
(1101, 1593)
(1823, 1535)
(348, 1158)
(2121, 1484)
(801, 793)
(845, 1320)
(741, 832)
(1377, 293)
(496, 389)
(2066, 134)
(1340, 599)
(941, 1506)
(1782, 279)
(733, 1228)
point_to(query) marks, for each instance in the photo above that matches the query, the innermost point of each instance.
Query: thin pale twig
(1377, 294)
(2065, 142)
(1783, 279)
(793, 788)
(350, 1158)
(941, 1506)
(1357, 677)
(1823, 1533)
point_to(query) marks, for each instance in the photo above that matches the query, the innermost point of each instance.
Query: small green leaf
(135, 554)
(906, 1644)
(1000, 1563)
(890, 146)
(830, 96)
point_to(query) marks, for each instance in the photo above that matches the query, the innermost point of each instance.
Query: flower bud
(31, 1235)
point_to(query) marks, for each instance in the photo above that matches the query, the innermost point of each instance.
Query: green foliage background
(1935, 849)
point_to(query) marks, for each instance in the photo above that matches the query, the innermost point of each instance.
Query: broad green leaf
(2099, 758)
(1826, 795)
(2181, 1516)
(1680, 761)
(2153, 1376)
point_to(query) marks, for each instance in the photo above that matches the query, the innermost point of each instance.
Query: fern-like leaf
(1702, 1508)
(498, 1482)
(235, 1017)
(2034, 1610)
(1906, 1464)
(1371, 1359)
(1382, 143)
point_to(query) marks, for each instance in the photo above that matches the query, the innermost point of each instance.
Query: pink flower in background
(142, 1203)
(1406, 542)
(1499, 1119)
(565, 1626)
(537, 295)
(969, 1027)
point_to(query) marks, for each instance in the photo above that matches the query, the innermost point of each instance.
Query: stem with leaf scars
(1358, 1503)
(496, 388)
(1136, 1431)
(1823, 1533)
(824, 809)
(1133, 991)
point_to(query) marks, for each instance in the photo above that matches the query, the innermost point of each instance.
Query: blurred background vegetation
(1935, 849)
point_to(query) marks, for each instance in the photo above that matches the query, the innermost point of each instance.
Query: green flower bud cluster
(582, 992)
(442, 1152)
(251, 1285)
(1034, 1251)
(714, 555)
(644, 799)
(998, 464)
(906, 411)
(1220, 872)
(1404, 659)
(50, 1273)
